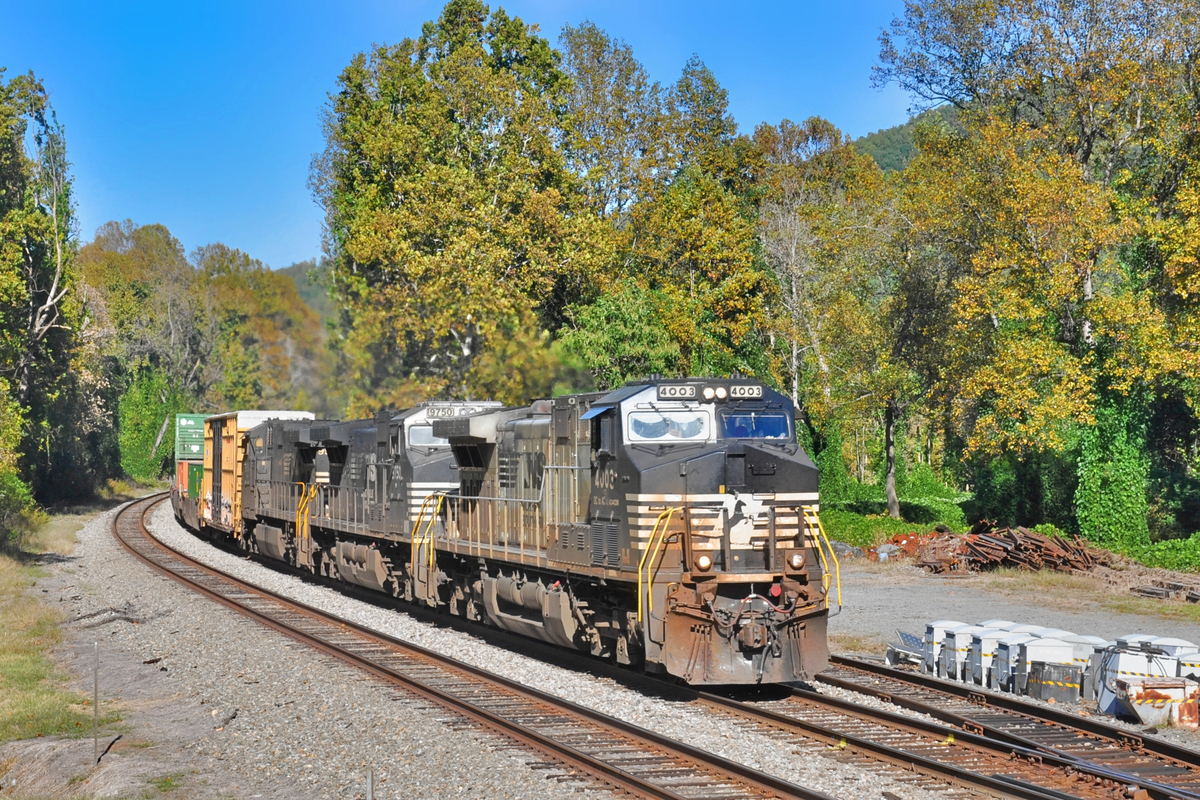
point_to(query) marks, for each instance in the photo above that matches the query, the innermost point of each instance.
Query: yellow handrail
(417, 537)
(429, 532)
(811, 516)
(300, 503)
(303, 502)
(651, 544)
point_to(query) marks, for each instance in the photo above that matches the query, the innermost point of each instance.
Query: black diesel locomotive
(669, 524)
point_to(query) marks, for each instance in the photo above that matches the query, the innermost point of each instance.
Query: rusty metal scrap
(944, 553)
(1011, 547)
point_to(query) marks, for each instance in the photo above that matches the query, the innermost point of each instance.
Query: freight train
(670, 525)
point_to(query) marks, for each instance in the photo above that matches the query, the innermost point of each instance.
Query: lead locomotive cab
(718, 504)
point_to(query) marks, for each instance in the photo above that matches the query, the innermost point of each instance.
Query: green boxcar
(195, 479)
(189, 437)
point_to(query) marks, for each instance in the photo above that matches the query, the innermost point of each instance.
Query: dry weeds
(1075, 589)
(856, 644)
(33, 701)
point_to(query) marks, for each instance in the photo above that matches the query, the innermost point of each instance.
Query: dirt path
(153, 749)
(882, 598)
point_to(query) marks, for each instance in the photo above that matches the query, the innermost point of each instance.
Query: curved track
(978, 756)
(1161, 768)
(585, 743)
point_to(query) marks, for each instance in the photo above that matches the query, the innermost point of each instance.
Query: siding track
(1162, 769)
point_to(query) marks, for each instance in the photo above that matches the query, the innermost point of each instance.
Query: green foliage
(1111, 498)
(267, 342)
(16, 498)
(1173, 504)
(836, 483)
(864, 524)
(451, 213)
(146, 416)
(1028, 490)
(51, 353)
(922, 481)
(892, 148)
(858, 511)
(695, 250)
(1181, 555)
(621, 336)
(614, 120)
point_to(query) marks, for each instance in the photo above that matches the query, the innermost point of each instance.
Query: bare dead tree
(51, 197)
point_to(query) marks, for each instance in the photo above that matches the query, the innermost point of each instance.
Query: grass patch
(121, 490)
(865, 644)
(167, 783)
(33, 701)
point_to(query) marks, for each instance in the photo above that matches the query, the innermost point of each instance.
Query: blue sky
(205, 116)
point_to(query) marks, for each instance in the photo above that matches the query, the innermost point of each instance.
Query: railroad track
(1162, 769)
(962, 761)
(583, 744)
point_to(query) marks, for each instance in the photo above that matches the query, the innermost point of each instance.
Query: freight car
(189, 468)
(670, 525)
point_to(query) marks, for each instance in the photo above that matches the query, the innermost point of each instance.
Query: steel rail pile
(1162, 769)
(1016, 547)
(585, 744)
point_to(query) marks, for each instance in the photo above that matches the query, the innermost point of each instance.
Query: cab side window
(602, 433)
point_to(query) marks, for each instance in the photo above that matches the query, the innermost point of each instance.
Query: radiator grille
(606, 550)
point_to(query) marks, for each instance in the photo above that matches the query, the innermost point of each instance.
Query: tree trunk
(889, 443)
(1088, 338)
(161, 432)
(795, 343)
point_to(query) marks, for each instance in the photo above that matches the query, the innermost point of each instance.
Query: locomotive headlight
(709, 393)
(704, 563)
(722, 392)
(797, 560)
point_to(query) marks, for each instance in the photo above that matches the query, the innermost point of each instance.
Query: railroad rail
(1161, 768)
(971, 762)
(588, 745)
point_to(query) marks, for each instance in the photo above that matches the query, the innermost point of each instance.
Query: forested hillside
(311, 280)
(990, 312)
(892, 148)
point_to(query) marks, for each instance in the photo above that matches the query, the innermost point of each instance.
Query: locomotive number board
(677, 392)
(449, 412)
(745, 391)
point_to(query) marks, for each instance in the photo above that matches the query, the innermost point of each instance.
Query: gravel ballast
(678, 720)
(267, 716)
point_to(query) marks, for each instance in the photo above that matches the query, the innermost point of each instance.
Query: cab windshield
(755, 425)
(668, 427)
(422, 436)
